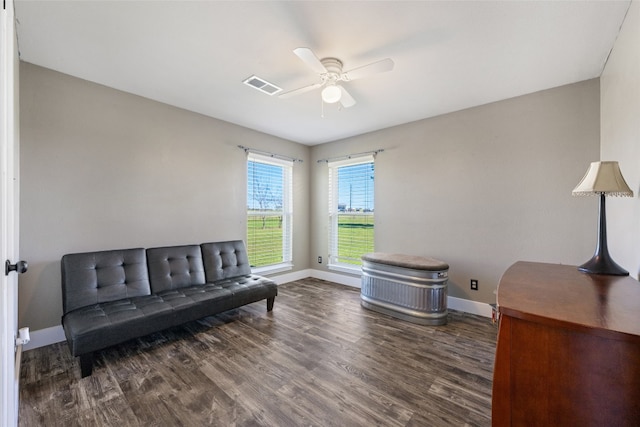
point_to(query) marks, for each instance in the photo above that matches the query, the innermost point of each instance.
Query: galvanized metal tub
(407, 287)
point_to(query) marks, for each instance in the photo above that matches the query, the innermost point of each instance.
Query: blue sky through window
(265, 186)
(355, 187)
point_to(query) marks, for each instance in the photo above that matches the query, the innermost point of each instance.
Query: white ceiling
(449, 55)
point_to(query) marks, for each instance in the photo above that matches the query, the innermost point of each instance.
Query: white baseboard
(290, 277)
(48, 336)
(44, 337)
(354, 282)
(469, 306)
(317, 274)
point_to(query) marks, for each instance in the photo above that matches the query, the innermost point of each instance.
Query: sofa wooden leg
(270, 302)
(86, 364)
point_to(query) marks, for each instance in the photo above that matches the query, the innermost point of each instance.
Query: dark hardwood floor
(319, 359)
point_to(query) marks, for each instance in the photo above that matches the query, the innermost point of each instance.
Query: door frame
(9, 203)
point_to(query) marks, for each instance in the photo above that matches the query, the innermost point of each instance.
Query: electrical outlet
(474, 284)
(319, 260)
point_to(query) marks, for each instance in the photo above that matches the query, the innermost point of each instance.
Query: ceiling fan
(330, 71)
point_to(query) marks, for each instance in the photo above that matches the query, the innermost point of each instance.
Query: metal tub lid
(407, 261)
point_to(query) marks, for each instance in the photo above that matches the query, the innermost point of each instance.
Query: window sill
(272, 269)
(345, 268)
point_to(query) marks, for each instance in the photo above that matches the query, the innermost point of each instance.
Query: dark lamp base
(601, 262)
(602, 265)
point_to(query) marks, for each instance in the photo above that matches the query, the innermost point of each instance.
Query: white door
(8, 216)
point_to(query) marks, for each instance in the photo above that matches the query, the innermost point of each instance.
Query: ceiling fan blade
(310, 58)
(346, 99)
(299, 90)
(381, 66)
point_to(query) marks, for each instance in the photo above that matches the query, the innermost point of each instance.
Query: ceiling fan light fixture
(331, 94)
(330, 72)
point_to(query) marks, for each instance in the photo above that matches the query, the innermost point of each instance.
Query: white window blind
(269, 210)
(351, 211)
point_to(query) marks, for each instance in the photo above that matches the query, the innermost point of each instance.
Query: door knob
(19, 267)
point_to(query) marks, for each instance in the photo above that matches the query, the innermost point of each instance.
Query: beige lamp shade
(603, 178)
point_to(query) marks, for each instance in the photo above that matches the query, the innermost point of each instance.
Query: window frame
(286, 212)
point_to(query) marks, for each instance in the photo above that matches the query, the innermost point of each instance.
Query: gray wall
(481, 188)
(620, 113)
(102, 169)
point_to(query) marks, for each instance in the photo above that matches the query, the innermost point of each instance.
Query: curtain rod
(269, 154)
(351, 156)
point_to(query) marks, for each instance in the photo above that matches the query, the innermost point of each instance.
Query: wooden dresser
(568, 351)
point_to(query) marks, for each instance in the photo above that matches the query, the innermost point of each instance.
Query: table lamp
(603, 179)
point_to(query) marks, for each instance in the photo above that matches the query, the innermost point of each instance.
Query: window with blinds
(351, 211)
(269, 211)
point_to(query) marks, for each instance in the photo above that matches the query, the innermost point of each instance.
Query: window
(351, 208)
(269, 212)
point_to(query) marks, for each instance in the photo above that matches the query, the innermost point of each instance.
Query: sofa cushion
(223, 260)
(96, 277)
(249, 288)
(102, 325)
(175, 267)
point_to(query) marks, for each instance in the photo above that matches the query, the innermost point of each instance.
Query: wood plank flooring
(319, 359)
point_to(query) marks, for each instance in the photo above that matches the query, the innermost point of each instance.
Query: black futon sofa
(110, 297)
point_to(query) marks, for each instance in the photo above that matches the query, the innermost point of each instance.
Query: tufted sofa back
(223, 260)
(96, 277)
(175, 267)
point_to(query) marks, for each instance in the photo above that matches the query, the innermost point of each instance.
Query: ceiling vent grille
(262, 85)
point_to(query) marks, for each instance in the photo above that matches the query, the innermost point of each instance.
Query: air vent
(262, 85)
